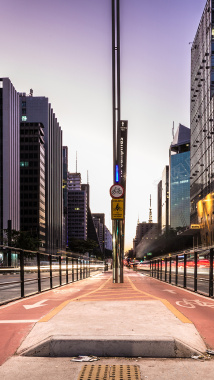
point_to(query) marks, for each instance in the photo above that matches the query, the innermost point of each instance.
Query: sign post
(118, 190)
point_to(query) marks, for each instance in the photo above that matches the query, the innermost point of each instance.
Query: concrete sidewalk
(115, 321)
(102, 323)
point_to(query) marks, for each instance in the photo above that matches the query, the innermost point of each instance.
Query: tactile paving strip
(94, 372)
(125, 372)
(107, 372)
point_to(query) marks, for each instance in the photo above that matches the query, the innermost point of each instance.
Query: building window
(24, 163)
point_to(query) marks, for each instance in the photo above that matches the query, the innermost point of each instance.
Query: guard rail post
(165, 268)
(87, 262)
(195, 271)
(22, 269)
(72, 269)
(170, 270)
(81, 269)
(66, 260)
(161, 268)
(211, 274)
(60, 270)
(176, 270)
(77, 272)
(185, 270)
(38, 272)
(51, 272)
(158, 268)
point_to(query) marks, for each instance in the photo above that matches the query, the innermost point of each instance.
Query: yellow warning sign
(117, 208)
(195, 226)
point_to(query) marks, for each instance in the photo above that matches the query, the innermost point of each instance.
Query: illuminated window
(24, 163)
(24, 118)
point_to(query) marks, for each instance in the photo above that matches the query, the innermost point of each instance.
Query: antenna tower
(150, 210)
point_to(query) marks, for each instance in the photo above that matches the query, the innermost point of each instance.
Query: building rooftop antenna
(173, 131)
(150, 210)
(87, 178)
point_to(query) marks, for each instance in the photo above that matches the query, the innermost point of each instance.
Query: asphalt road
(10, 287)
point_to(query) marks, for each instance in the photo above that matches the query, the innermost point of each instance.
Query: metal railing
(34, 272)
(192, 270)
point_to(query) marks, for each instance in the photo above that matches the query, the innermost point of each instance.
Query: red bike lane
(18, 318)
(197, 308)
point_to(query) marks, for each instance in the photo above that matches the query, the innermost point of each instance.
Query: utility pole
(118, 190)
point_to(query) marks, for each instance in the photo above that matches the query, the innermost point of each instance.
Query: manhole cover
(125, 372)
(94, 372)
(108, 372)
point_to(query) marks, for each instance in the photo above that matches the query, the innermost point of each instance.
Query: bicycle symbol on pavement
(191, 304)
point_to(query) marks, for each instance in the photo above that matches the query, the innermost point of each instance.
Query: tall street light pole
(118, 189)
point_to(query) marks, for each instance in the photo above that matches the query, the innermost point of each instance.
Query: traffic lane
(10, 287)
(17, 318)
(199, 309)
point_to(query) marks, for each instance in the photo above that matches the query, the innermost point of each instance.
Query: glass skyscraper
(202, 125)
(180, 178)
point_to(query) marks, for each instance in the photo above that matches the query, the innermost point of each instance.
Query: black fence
(35, 272)
(191, 270)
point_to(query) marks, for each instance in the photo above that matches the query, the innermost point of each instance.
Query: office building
(159, 206)
(9, 157)
(108, 239)
(32, 180)
(202, 125)
(99, 223)
(144, 234)
(38, 110)
(165, 200)
(77, 208)
(179, 178)
(74, 181)
(65, 196)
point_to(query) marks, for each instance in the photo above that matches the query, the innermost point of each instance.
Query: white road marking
(169, 291)
(191, 304)
(37, 304)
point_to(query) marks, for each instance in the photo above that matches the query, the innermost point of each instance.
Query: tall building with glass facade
(202, 125)
(179, 178)
(38, 110)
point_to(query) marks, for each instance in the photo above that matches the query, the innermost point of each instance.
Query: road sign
(195, 226)
(117, 208)
(116, 191)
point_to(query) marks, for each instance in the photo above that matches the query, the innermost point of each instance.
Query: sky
(62, 50)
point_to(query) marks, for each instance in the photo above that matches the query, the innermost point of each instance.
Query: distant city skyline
(62, 50)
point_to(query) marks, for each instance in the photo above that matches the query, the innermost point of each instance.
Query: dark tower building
(32, 180)
(38, 110)
(65, 196)
(160, 206)
(9, 156)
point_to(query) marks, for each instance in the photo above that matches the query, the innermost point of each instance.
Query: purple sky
(62, 49)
